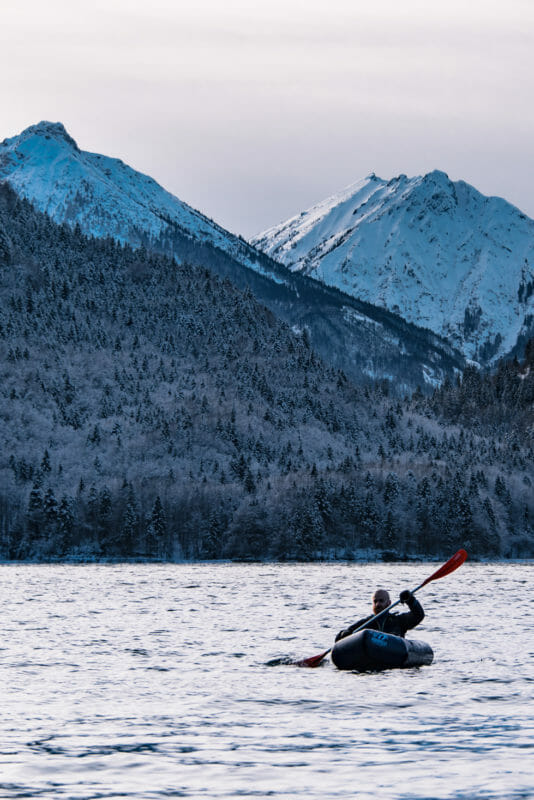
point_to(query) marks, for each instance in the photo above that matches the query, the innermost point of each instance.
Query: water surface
(151, 681)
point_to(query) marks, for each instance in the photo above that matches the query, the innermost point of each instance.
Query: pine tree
(45, 463)
(35, 511)
(107, 533)
(50, 507)
(391, 488)
(389, 538)
(488, 508)
(309, 532)
(213, 543)
(65, 518)
(156, 531)
(129, 526)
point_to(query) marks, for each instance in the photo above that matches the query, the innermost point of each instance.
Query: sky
(253, 110)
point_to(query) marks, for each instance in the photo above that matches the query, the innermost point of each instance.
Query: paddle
(453, 563)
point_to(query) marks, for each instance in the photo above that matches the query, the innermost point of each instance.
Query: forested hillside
(502, 400)
(153, 410)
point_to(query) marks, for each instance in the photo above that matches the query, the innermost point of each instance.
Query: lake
(151, 681)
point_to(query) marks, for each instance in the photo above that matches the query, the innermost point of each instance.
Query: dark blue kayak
(375, 650)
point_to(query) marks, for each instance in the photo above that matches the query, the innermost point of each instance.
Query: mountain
(153, 410)
(437, 252)
(105, 197)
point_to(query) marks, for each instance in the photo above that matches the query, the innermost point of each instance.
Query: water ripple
(155, 681)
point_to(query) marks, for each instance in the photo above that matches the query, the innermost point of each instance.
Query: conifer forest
(153, 410)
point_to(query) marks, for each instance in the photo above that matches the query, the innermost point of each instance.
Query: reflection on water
(151, 681)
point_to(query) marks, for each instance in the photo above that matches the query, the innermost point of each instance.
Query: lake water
(151, 681)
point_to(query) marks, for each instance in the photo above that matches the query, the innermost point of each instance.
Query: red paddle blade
(312, 661)
(453, 563)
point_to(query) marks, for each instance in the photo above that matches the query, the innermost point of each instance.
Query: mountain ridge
(437, 252)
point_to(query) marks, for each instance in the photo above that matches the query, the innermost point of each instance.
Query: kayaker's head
(380, 601)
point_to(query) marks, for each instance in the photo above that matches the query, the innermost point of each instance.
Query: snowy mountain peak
(103, 195)
(435, 251)
(48, 130)
(437, 176)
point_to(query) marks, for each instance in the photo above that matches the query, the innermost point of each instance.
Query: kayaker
(397, 624)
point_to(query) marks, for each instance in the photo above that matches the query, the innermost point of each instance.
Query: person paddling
(397, 624)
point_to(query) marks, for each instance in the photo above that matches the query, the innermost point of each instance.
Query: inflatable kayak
(370, 650)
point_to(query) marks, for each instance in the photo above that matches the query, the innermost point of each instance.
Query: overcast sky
(252, 110)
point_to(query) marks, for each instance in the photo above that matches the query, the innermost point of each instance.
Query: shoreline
(110, 561)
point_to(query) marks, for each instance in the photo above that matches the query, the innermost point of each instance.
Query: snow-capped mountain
(437, 252)
(103, 195)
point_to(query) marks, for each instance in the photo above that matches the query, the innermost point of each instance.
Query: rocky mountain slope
(437, 252)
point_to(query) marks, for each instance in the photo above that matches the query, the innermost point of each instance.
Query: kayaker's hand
(405, 596)
(340, 635)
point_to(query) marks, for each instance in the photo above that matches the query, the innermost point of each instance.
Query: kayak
(375, 650)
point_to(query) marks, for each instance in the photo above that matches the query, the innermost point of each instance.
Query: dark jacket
(397, 624)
